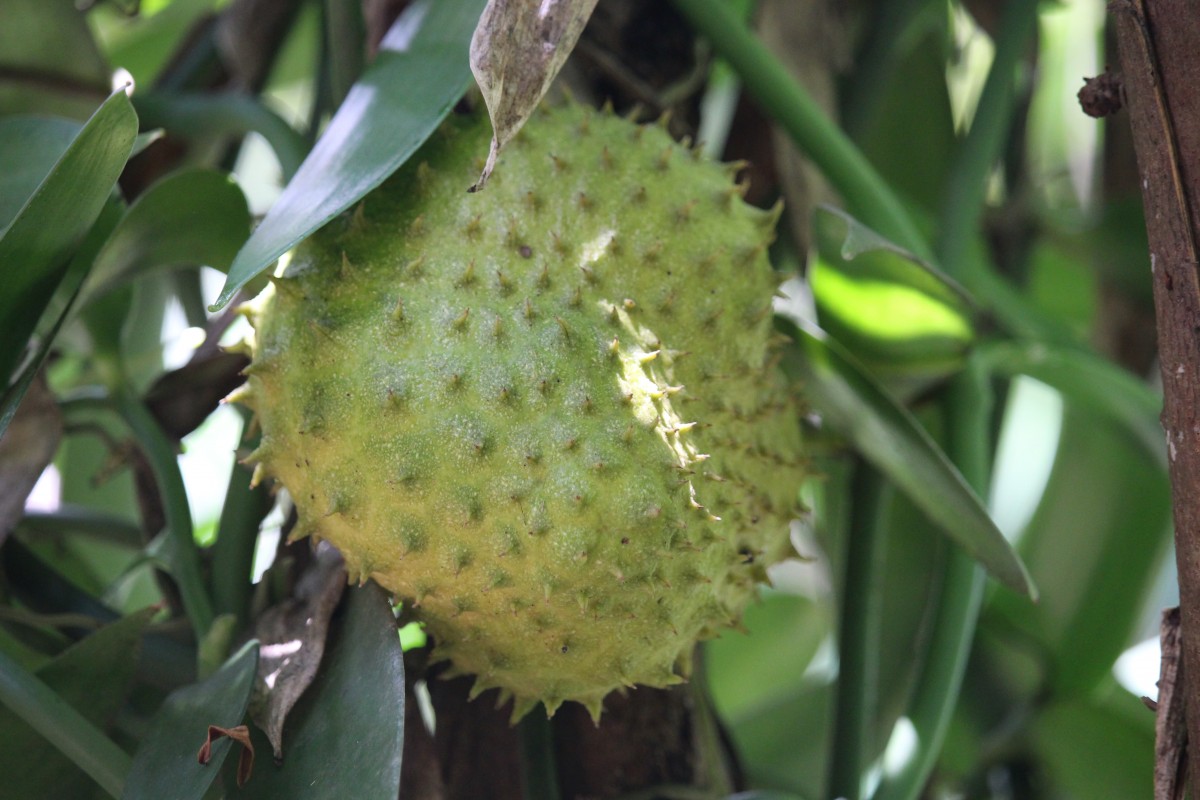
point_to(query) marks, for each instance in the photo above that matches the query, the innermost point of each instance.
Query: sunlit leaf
(904, 318)
(420, 72)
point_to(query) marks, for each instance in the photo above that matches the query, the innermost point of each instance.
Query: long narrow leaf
(886, 434)
(420, 72)
(65, 728)
(37, 245)
(60, 308)
(202, 114)
(1087, 380)
(179, 551)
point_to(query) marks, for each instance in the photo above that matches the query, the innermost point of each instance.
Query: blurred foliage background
(971, 317)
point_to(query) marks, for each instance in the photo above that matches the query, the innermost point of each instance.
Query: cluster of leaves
(121, 634)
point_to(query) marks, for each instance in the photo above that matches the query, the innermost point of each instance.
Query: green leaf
(178, 547)
(345, 40)
(906, 320)
(783, 744)
(852, 403)
(68, 702)
(37, 245)
(165, 764)
(49, 61)
(196, 114)
(1087, 381)
(345, 736)
(237, 535)
(197, 216)
(60, 308)
(1101, 749)
(1094, 545)
(144, 45)
(420, 72)
(748, 670)
(29, 148)
(899, 104)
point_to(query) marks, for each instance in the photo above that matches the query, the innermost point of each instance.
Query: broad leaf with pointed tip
(166, 764)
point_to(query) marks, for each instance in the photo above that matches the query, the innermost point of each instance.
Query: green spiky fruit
(546, 414)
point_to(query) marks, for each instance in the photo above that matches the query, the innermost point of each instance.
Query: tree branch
(1161, 72)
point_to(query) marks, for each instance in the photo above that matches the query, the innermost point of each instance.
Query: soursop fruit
(546, 415)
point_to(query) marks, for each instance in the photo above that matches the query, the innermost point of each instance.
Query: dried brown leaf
(292, 642)
(25, 449)
(241, 735)
(518, 48)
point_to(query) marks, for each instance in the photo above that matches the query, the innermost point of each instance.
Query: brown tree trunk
(1161, 71)
(647, 740)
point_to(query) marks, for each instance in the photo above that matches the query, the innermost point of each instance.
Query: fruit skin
(546, 415)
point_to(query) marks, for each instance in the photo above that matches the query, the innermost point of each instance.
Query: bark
(664, 742)
(1161, 66)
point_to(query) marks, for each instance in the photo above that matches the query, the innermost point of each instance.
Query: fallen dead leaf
(292, 641)
(518, 48)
